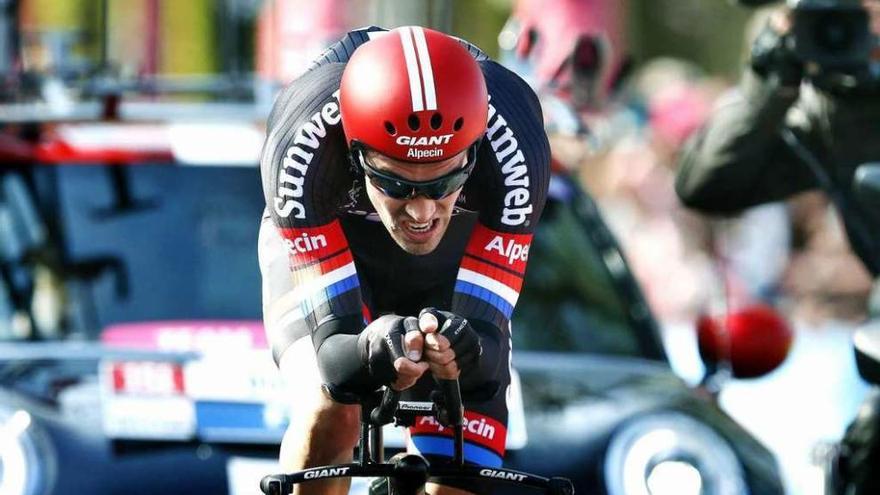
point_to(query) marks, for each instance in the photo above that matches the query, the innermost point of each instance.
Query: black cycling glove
(381, 343)
(773, 54)
(463, 339)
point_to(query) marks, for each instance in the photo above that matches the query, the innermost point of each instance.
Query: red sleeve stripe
(300, 266)
(329, 264)
(489, 263)
(499, 248)
(505, 277)
(307, 245)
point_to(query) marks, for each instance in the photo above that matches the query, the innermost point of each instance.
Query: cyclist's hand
(451, 345)
(410, 368)
(392, 347)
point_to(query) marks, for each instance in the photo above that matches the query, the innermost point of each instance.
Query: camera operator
(805, 115)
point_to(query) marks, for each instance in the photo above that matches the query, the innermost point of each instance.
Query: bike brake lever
(384, 412)
(451, 410)
(560, 486)
(275, 485)
(452, 413)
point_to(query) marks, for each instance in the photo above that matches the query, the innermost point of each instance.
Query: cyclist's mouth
(420, 232)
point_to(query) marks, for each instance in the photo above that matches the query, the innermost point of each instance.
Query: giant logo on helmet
(424, 140)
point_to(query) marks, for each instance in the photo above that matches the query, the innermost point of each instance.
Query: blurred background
(130, 134)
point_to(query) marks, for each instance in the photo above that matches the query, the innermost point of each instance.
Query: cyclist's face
(417, 225)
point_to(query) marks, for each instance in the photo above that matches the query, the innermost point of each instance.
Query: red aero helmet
(413, 94)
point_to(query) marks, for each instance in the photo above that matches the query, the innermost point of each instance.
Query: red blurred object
(675, 113)
(575, 46)
(292, 33)
(13, 149)
(59, 152)
(754, 340)
(147, 378)
(107, 143)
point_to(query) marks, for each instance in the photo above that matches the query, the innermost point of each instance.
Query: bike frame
(408, 474)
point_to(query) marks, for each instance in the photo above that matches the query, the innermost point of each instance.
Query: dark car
(601, 403)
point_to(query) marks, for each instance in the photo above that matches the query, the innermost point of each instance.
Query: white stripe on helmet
(412, 70)
(427, 71)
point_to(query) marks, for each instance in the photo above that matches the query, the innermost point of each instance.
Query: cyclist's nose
(420, 209)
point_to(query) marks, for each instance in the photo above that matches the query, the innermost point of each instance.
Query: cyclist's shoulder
(342, 50)
(508, 91)
(515, 116)
(298, 101)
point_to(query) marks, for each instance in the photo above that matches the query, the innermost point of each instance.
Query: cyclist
(404, 174)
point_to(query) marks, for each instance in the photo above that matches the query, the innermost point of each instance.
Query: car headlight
(23, 463)
(671, 453)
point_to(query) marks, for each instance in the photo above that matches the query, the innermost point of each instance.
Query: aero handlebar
(409, 473)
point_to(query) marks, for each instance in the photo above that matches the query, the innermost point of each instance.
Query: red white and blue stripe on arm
(491, 274)
(323, 270)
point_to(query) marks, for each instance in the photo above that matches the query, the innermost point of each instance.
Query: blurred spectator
(824, 279)
(793, 125)
(292, 33)
(625, 146)
(631, 176)
(622, 139)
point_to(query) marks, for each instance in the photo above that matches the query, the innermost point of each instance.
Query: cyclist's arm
(306, 177)
(509, 187)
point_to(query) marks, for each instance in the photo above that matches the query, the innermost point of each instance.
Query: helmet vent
(413, 122)
(436, 121)
(389, 127)
(459, 123)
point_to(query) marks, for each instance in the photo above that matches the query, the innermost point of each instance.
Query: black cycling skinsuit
(346, 270)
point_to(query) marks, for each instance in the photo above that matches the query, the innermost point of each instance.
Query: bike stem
(453, 410)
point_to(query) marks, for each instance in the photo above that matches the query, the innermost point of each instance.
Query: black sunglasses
(397, 187)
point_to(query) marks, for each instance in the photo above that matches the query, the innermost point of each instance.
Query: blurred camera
(833, 34)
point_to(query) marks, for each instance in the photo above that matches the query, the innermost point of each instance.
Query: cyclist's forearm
(488, 374)
(337, 346)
